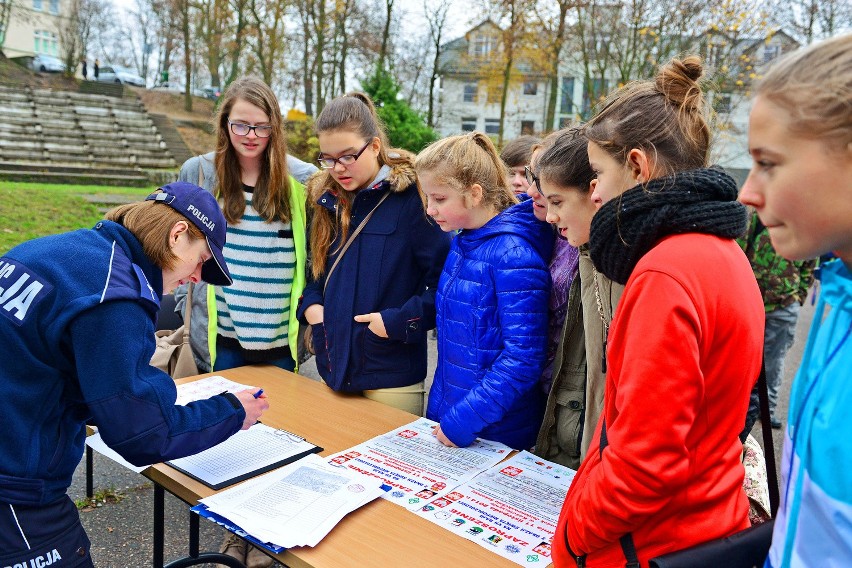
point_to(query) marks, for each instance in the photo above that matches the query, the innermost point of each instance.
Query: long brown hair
(466, 159)
(353, 112)
(271, 197)
(664, 117)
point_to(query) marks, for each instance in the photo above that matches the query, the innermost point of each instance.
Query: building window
(492, 126)
(495, 93)
(468, 124)
(770, 52)
(566, 96)
(54, 6)
(527, 127)
(530, 88)
(483, 45)
(37, 5)
(470, 92)
(591, 98)
(46, 42)
(565, 121)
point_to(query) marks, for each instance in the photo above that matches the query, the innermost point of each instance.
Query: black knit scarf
(695, 201)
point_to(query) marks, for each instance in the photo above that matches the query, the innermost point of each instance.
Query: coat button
(413, 326)
(81, 551)
(574, 404)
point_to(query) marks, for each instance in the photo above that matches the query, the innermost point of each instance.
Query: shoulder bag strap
(768, 443)
(352, 238)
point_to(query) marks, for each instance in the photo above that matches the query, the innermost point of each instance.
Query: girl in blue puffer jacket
(492, 297)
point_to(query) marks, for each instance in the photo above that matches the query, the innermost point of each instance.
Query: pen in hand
(258, 393)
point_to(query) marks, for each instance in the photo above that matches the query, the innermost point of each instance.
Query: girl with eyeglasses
(492, 297)
(376, 258)
(258, 186)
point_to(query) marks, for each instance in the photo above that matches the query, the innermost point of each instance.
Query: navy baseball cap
(199, 206)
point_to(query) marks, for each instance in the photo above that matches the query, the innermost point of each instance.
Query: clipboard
(246, 454)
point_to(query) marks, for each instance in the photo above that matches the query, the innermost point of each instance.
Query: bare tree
(383, 52)
(810, 20)
(268, 41)
(437, 18)
(553, 22)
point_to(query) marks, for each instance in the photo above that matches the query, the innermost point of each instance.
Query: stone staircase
(84, 138)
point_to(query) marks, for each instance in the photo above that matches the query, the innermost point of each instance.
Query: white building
(33, 28)
(470, 89)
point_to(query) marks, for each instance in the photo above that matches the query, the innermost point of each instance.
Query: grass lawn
(30, 210)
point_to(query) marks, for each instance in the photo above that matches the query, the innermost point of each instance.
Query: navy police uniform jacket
(492, 310)
(77, 318)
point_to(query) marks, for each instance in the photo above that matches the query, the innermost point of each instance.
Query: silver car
(119, 74)
(47, 63)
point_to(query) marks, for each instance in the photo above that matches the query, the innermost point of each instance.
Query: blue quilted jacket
(492, 331)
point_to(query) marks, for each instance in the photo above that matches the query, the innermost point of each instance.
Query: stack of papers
(296, 505)
(245, 454)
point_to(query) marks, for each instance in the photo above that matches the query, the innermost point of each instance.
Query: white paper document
(296, 505)
(205, 388)
(97, 443)
(511, 509)
(416, 465)
(245, 454)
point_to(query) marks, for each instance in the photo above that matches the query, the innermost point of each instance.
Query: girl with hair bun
(800, 138)
(372, 298)
(492, 300)
(684, 349)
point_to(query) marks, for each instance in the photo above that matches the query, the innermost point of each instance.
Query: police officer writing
(77, 318)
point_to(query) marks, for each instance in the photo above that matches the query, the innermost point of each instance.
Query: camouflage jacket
(781, 281)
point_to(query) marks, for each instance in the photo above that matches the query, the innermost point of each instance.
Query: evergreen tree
(406, 127)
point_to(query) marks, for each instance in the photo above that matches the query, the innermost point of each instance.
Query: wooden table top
(378, 534)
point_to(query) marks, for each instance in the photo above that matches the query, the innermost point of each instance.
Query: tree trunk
(187, 56)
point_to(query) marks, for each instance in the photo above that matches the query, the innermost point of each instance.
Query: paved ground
(121, 533)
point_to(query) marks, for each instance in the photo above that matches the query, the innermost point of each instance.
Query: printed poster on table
(511, 509)
(416, 465)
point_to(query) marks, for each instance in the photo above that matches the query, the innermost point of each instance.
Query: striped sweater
(262, 258)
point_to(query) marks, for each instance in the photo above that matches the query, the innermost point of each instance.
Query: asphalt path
(122, 532)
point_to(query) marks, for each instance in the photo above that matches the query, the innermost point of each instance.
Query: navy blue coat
(392, 268)
(492, 331)
(77, 316)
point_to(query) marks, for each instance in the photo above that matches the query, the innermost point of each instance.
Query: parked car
(212, 93)
(48, 63)
(119, 74)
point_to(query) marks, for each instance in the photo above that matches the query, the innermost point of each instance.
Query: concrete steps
(53, 129)
(70, 174)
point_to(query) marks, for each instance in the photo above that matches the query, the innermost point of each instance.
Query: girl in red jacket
(663, 471)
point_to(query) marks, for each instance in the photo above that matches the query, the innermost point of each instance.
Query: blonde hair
(814, 85)
(664, 117)
(151, 223)
(271, 196)
(466, 159)
(353, 112)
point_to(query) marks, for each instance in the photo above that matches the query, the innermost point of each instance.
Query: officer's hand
(377, 324)
(254, 407)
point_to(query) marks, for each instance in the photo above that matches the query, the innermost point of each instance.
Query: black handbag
(745, 549)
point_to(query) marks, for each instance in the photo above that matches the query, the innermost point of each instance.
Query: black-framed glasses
(532, 179)
(242, 129)
(327, 162)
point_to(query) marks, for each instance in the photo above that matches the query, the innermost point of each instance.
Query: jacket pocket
(570, 413)
(320, 344)
(384, 355)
